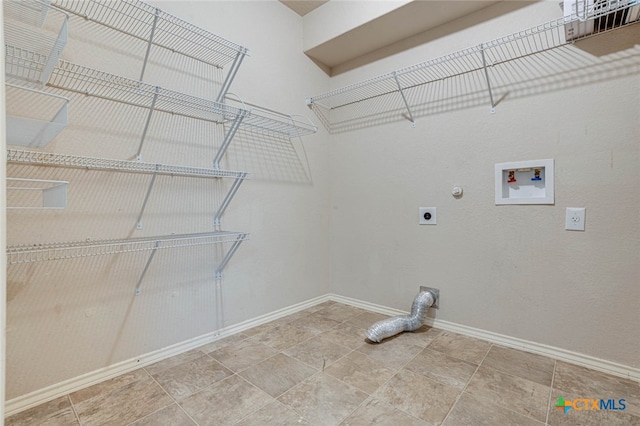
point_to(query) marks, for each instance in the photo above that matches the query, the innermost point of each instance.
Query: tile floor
(315, 368)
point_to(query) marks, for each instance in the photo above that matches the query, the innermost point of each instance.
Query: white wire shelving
(494, 64)
(39, 158)
(42, 252)
(94, 163)
(160, 29)
(80, 79)
(35, 35)
(162, 33)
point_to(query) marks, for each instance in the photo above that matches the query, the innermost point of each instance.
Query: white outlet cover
(574, 219)
(425, 212)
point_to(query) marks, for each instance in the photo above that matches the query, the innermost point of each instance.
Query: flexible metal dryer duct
(394, 325)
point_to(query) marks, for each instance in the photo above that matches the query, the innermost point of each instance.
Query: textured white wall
(351, 229)
(67, 318)
(512, 270)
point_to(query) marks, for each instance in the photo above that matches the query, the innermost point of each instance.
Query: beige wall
(67, 318)
(352, 227)
(512, 270)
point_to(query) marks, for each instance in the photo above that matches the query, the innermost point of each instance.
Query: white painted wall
(512, 270)
(67, 318)
(352, 229)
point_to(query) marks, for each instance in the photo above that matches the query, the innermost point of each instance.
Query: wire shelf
(93, 163)
(28, 253)
(289, 126)
(147, 23)
(91, 82)
(490, 64)
(35, 35)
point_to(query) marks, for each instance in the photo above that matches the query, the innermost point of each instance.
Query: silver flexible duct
(394, 325)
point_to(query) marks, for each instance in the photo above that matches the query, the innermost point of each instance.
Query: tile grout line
(464, 389)
(73, 408)
(553, 377)
(175, 401)
(322, 371)
(511, 375)
(371, 395)
(262, 406)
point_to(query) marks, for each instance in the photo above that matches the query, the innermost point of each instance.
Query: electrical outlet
(427, 216)
(574, 219)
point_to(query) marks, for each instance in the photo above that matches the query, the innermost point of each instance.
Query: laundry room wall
(66, 318)
(511, 270)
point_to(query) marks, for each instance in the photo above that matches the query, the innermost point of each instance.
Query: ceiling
(302, 7)
(394, 30)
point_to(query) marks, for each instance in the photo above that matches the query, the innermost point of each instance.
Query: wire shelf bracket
(404, 99)
(227, 199)
(232, 250)
(144, 203)
(154, 250)
(486, 75)
(147, 122)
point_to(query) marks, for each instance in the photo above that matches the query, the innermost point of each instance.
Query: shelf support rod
(404, 99)
(227, 200)
(233, 70)
(146, 124)
(227, 139)
(153, 31)
(146, 199)
(486, 75)
(229, 255)
(146, 267)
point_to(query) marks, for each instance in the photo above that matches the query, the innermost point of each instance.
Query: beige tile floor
(315, 368)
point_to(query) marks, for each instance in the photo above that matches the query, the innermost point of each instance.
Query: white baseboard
(571, 357)
(24, 402)
(21, 403)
